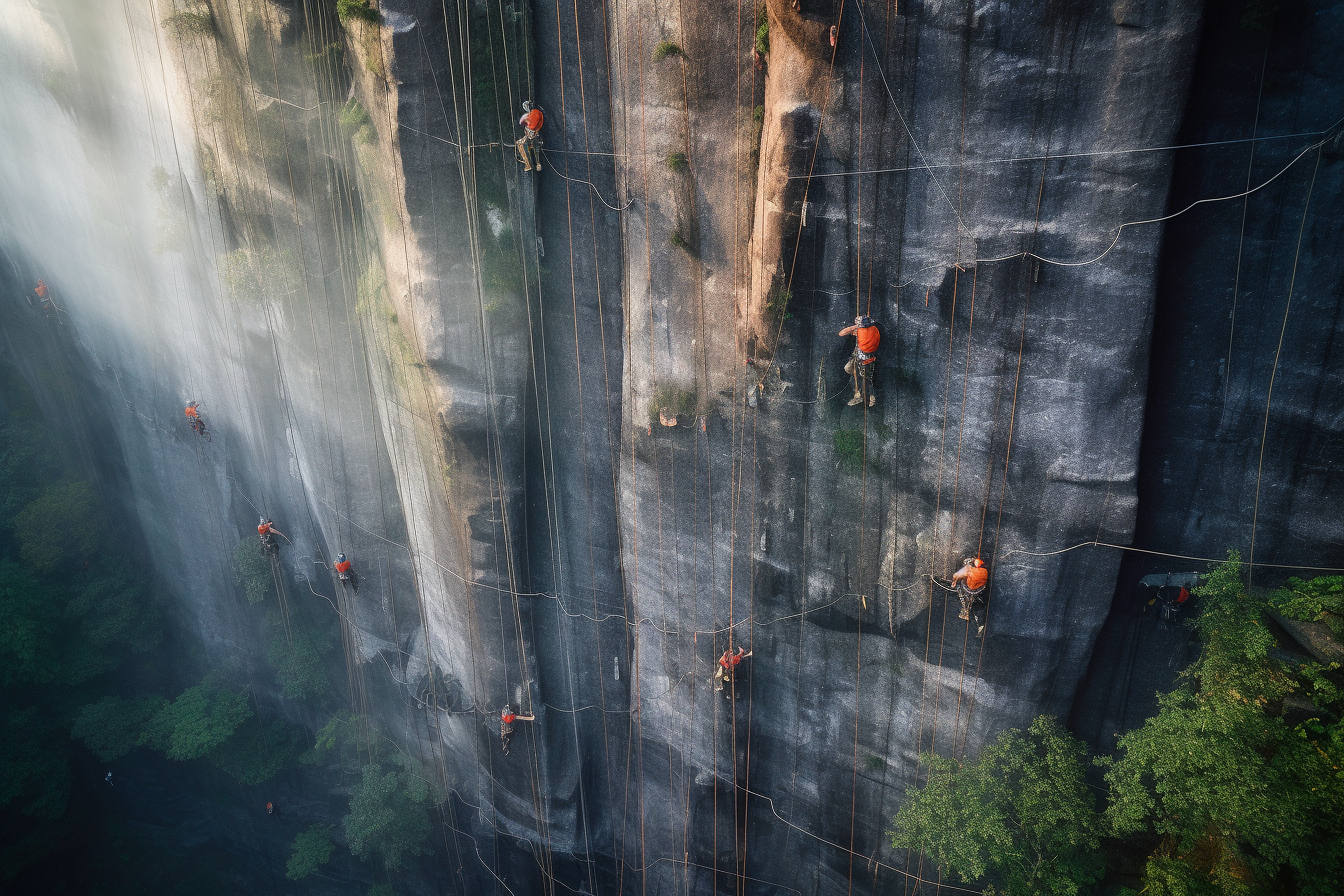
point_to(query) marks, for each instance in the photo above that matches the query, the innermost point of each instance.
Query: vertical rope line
(1273, 371)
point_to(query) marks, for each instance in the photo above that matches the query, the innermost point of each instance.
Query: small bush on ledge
(182, 25)
(357, 9)
(665, 49)
(677, 161)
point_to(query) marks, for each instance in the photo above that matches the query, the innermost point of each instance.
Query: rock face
(1242, 428)
(583, 430)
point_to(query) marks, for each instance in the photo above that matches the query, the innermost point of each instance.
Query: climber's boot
(965, 614)
(856, 400)
(872, 400)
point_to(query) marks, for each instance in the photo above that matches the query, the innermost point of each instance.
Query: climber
(345, 573)
(833, 36)
(41, 290)
(860, 364)
(506, 720)
(193, 412)
(971, 581)
(527, 144)
(727, 665)
(270, 808)
(267, 531)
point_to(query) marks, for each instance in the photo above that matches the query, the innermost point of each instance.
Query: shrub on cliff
(357, 10)
(312, 849)
(1021, 815)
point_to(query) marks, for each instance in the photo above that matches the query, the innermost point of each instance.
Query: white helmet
(527, 105)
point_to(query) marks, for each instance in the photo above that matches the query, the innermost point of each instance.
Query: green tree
(388, 816)
(252, 571)
(299, 663)
(1318, 600)
(312, 849)
(1021, 815)
(62, 525)
(1239, 798)
(114, 725)
(257, 752)
(199, 720)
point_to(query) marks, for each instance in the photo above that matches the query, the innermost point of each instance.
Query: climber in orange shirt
(506, 720)
(193, 412)
(266, 531)
(527, 144)
(345, 573)
(971, 581)
(860, 366)
(727, 665)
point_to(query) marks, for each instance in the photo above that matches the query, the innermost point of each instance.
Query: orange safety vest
(343, 567)
(41, 290)
(532, 120)
(977, 577)
(264, 529)
(507, 718)
(866, 340)
(190, 412)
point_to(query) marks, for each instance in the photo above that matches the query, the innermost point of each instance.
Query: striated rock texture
(460, 373)
(1243, 426)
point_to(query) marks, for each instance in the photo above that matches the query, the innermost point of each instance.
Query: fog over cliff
(412, 351)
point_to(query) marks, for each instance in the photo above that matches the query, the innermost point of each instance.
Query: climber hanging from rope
(345, 573)
(49, 307)
(970, 582)
(861, 363)
(266, 531)
(527, 144)
(727, 665)
(506, 720)
(197, 421)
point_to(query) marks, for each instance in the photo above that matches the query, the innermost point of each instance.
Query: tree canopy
(1238, 775)
(1022, 815)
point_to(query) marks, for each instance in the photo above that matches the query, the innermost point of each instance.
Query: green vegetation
(874, 763)
(357, 10)
(331, 57)
(183, 25)
(678, 162)
(849, 447)
(299, 660)
(762, 30)
(675, 399)
(199, 720)
(112, 727)
(1238, 775)
(679, 241)
(252, 571)
(389, 816)
(1319, 600)
(777, 302)
(61, 527)
(758, 115)
(665, 49)
(312, 849)
(356, 123)
(1234, 787)
(1021, 816)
